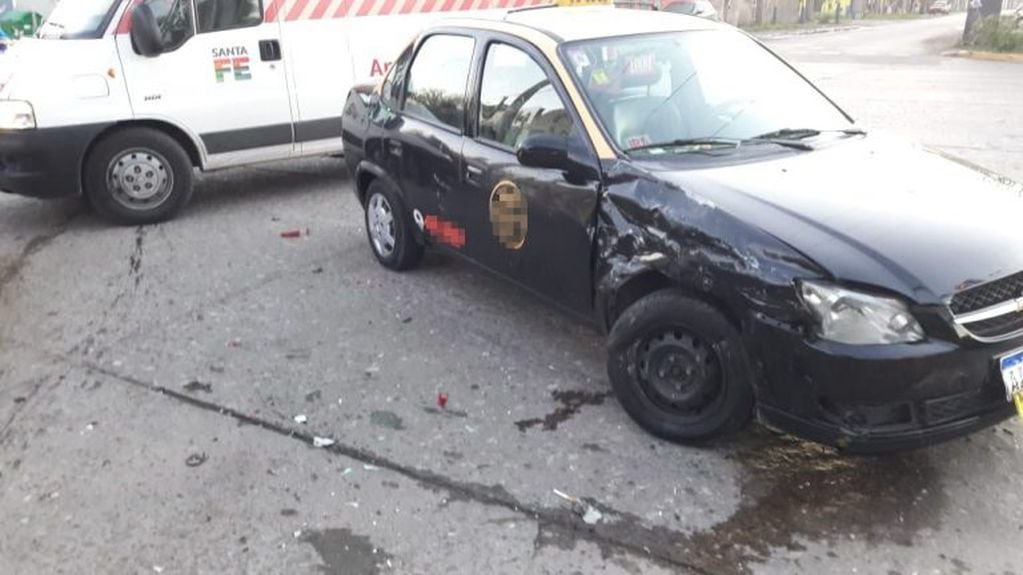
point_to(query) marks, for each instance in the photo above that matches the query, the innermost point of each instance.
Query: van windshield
(78, 19)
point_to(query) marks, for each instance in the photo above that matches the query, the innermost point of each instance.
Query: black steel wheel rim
(680, 372)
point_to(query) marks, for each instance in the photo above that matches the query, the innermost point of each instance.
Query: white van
(120, 99)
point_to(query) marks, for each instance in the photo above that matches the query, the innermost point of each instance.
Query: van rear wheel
(138, 176)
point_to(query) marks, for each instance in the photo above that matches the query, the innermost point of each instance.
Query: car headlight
(852, 317)
(16, 115)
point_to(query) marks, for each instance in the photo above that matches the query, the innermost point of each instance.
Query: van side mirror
(544, 151)
(145, 32)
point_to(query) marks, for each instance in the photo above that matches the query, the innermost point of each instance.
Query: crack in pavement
(629, 536)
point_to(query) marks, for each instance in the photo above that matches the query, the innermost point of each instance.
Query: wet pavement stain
(135, 259)
(571, 402)
(344, 553)
(792, 491)
(387, 419)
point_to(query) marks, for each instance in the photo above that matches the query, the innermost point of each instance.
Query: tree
(987, 9)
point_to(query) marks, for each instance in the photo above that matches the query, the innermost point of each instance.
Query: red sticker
(444, 232)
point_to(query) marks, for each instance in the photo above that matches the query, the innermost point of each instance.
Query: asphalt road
(150, 379)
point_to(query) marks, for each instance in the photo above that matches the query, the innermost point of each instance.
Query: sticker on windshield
(638, 141)
(579, 58)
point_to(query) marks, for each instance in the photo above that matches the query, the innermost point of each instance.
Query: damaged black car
(749, 250)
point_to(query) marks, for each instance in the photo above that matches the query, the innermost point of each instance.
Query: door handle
(472, 173)
(269, 50)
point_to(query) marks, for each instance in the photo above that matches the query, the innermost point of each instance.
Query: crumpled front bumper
(878, 398)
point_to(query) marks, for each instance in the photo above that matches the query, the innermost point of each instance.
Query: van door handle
(269, 50)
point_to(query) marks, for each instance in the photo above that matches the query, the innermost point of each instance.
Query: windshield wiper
(792, 137)
(730, 142)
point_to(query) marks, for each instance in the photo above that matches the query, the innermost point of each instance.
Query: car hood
(876, 211)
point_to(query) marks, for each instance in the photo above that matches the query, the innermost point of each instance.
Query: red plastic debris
(291, 234)
(442, 400)
(234, 343)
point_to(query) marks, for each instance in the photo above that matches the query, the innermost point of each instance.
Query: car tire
(679, 369)
(138, 176)
(389, 229)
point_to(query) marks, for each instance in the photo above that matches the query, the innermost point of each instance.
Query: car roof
(564, 24)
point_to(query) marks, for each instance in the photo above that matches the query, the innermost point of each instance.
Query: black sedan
(748, 249)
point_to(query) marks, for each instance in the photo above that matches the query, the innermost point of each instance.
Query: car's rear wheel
(678, 368)
(138, 176)
(389, 229)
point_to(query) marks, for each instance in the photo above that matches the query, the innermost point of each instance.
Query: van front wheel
(138, 176)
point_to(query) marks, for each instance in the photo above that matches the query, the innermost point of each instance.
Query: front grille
(987, 295)
(954, 407)
(996, 326)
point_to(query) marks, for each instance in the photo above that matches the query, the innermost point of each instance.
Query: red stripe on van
(272, 10)
(466, 4)
(408, 6)
(428, 5)
(387, 8)
(343, 9)
(448, 5)
(320, 9)
(296, 10)
(366, 8)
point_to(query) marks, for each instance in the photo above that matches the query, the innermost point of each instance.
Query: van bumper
(45, 162)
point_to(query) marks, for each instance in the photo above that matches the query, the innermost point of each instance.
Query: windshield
(694, 85)
(79, 19)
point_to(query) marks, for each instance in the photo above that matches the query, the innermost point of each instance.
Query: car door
(424, 147)
(220, 76)
(534, 225)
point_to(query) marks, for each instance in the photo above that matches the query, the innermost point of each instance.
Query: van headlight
(857, 318)
(16, 115)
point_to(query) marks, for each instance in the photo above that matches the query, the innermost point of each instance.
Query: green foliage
(998, 34)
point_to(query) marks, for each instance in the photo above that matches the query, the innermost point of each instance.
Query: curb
(988, 56)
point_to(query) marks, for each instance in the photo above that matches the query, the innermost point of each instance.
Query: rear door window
(437, 80)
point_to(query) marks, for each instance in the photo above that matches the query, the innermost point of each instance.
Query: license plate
(1012, 376)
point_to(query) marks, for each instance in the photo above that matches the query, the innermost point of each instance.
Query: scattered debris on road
(589, 514)
(301, 419)
(293, 234)
(196, 459)
(442, 400)
(322, 442)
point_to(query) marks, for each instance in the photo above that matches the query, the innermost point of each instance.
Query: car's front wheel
(389, 229)
(678, 368)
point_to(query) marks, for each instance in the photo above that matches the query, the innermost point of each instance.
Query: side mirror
(145, 32)
(544, 151)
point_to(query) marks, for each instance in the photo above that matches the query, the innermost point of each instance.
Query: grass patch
(997, 35)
